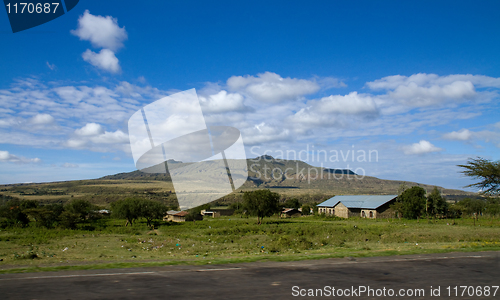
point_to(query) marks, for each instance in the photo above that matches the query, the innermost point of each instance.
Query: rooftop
(359, 201)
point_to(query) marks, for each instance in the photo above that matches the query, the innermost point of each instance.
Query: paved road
(268, 280)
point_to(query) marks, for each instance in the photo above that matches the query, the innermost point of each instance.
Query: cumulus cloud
(415, 95)
(102, 32)
(223, 102)
(425, 90)
(271, 87)
(265, 133)
(104, 60)
(115, 137)
(76, 143)
(461, 135)
(421, 147)
(42, 119)
(93, 136)
(90, 129)
(5, 156)
(423, 79)
(351, 104)
(335, 110)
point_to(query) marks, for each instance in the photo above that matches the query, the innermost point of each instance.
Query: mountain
(290, 178)
(298, 177)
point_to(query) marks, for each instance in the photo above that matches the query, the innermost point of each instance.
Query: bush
(83, 209)
(306, 210)
(12, 214)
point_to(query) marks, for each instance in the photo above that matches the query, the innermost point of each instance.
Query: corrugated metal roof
(330, 202)
(182, 214)
(359, 201)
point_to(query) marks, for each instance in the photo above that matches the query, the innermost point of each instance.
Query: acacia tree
(151, 210)
(261, 203)
(487, 171)
(128, 209)
(82, 209)
(132, 209)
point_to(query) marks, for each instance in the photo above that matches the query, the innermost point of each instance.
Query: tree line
(20, 213)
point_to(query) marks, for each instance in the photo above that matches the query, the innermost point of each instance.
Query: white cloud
(265, 133)
(102, 32)
(76, 143)
(105, 60)
(42, 119)
(461, 135)
(116, 137)
(415, 95)
(421, 147)
(90, 129)
(335, 110)
(427, 90)
(271, 87)
(423, 79)
(5, 156)
(223, 102)
(71, 94)
(352, 104)
(92, 136)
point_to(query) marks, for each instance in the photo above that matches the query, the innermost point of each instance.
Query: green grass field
(234, 239)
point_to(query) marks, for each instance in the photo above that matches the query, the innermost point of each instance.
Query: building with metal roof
(366, 206)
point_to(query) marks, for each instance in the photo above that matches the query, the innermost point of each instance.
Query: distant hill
(298, 177)
(289, 178)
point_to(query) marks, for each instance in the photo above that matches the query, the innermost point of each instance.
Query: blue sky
(416, 81)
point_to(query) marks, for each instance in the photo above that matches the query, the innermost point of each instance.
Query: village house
(365, 206)
(290, 213)
(176, 216)
(217, 212)
(209, 213)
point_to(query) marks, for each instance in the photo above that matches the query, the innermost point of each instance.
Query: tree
(398, 205)
(485, 170)
(68, 220)
(315, 207)
(82, 209)
(436, 204)
(412, 202)
(151, 210)
(306, 209)
(128, 209)
(292, 203)
(42, 216)
(492, 206)
(473, 207)
(261, 203)
(12, 213)
(132, 209)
